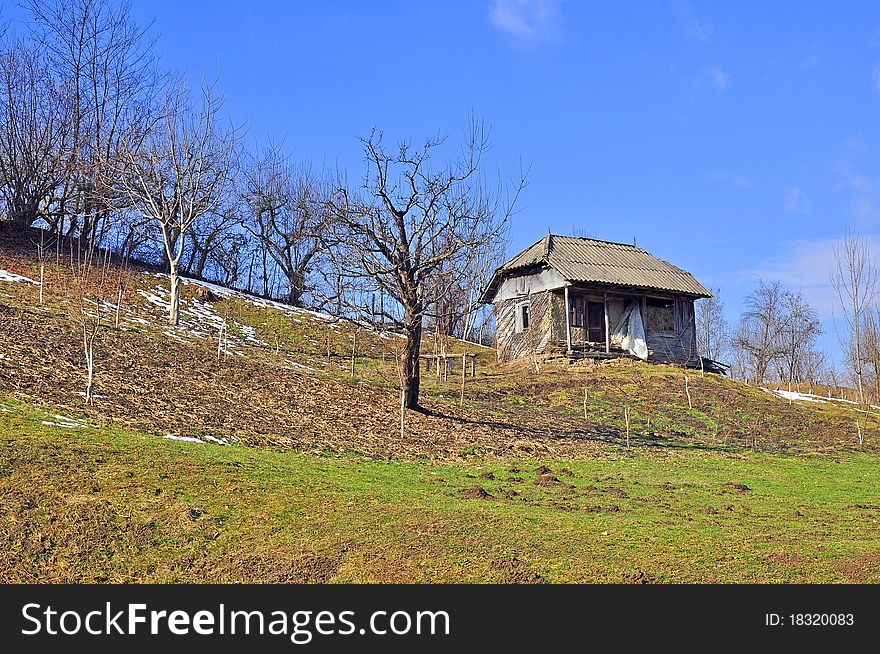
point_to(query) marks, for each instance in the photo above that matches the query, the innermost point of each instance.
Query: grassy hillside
(108, 504)
(317, 483)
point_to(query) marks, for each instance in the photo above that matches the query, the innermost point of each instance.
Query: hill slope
(272, 462)
(85, 504)
(274, 383)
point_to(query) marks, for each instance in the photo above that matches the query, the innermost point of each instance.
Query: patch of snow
(217, 439)
(152, 298)
(186, 439)
(6, 276)
(67, 423)
(800, 397)
(810, 397)
(300, 366)
(174, 336)
(222, 291)
(95, 395)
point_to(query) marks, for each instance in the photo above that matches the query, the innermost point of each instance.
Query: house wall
(511, 345)
(526, 283)
(669, 340)
(678, 346)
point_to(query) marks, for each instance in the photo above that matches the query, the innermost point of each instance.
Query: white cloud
(695, 28)
(527, 22)
(796, 201)
(864, 190)
(806, 265)
(717, 77)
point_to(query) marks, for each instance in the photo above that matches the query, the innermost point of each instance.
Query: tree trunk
(411, 368)
(174, 309)
(202, 261)
(296, 281)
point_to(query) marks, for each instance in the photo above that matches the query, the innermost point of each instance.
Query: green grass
(105, 504)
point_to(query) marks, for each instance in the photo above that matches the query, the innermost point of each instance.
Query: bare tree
(713, 332)
(288, 217)
(408, 222)
(34, 134)
(211, 236)
(815, 368)
(870, 334)
(110, 67)
(758, 336)
(854, 278)
(797, 334)
(87, 288)
(180, 172)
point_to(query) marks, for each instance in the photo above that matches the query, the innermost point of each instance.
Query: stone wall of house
(511, 344)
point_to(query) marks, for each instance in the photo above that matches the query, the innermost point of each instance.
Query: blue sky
(736, 140)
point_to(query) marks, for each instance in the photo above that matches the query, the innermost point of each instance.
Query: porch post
(567, 322)
(607, 327)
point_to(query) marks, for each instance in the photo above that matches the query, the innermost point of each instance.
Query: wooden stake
(328, 343)
(118, 301)
(220, 340)
(463, 368)
(859, 428)
(626, 417)
(585, 402)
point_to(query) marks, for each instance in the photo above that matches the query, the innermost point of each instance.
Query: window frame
(578, 311)
(522, 310)
(659, 303)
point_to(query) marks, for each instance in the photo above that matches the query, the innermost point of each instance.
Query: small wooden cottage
(588, 298)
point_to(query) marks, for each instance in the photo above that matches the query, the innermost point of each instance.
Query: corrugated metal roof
(589, 260)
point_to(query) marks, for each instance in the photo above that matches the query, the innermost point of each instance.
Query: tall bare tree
(409, 221)
(870, 334)
(35, 135)
(713, 332)
(180, 172)
(287, 215)
(854, 278)
(761, 323)
(212, 236)
(798, 333)
(109, 65)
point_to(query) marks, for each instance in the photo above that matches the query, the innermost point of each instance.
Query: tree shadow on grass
(594, 434)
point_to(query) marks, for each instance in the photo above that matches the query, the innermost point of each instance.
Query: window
(661, 315)
(591, 316)
(578, 307)
(523, 317)
(595, 322)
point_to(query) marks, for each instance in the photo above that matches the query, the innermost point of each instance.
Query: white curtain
(630, 332)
